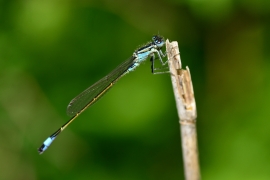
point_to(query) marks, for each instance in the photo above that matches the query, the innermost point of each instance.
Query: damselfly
(97, 90)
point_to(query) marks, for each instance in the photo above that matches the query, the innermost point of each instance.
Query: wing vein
(82, 100)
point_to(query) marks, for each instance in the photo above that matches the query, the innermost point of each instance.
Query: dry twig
(186, 107)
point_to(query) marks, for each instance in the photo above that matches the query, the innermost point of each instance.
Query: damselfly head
(158, 41)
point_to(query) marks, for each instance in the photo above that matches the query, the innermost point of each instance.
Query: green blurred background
(52, 50)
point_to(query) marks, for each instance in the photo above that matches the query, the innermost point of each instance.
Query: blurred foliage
(52, 50)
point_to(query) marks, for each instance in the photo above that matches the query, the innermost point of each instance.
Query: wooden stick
(186, 107)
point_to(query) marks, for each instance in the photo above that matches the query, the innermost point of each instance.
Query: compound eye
(157, 41)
